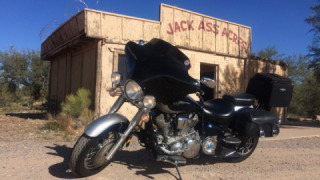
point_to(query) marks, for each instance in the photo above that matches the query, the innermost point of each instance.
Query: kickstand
(175, 160)
(177, 168)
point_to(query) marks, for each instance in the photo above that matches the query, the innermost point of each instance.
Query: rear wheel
(88, 155)
(245, 149)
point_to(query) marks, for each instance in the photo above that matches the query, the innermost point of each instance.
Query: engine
(176, 134)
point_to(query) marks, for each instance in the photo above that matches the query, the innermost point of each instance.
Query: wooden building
(87, 48)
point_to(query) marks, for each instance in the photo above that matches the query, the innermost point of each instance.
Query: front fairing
(161, 70)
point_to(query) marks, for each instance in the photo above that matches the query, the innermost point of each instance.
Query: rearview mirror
(208, 82)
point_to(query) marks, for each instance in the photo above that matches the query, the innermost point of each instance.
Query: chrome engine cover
(176, 134)
(193, 148)
(209, 145)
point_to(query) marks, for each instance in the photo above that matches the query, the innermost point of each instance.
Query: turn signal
(145, 118)
(113, 92)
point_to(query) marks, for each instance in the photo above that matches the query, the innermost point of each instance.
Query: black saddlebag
(256, 123)
(271, 89)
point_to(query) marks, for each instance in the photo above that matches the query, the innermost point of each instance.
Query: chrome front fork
(134, 122)
(116, 106)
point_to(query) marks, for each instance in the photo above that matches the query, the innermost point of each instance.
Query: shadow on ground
(293, 122)
(61, 170)
(28, 115)
(145, 164)
(140, 161)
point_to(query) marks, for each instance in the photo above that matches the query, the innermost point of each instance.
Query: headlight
(133, 91)
(149, 102)
(116, 78)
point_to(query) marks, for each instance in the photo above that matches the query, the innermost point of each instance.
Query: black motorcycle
(170, 123)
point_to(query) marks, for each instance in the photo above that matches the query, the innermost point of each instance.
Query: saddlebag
(271, 89)
(256, 123)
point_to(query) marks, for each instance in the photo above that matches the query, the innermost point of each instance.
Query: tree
(297, 72)
(310, 95)
(314, 49)
(14, 66)
(36, 79)
(270, 52)
(24, 70)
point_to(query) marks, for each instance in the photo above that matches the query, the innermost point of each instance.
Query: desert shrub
(86, 117)
(75, 113)
(77, 106)
(61, 122)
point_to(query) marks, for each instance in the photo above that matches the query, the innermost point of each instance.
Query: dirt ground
(27, 153)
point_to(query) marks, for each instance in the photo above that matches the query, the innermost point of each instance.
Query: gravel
(30, 157)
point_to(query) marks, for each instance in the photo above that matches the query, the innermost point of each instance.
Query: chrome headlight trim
(149, 102)
(116, 78)
(133, 90)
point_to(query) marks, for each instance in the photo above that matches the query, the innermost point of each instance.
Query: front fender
(106, 123)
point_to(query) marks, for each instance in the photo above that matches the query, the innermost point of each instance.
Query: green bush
(75, 104)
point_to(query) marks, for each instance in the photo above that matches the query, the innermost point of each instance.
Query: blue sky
(24, 24)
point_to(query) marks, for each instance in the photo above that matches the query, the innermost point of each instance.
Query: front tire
(88, 155)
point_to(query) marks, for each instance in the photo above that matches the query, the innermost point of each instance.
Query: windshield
(161, 70)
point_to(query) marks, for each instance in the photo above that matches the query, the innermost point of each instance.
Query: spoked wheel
(88, 155)
(245, 149)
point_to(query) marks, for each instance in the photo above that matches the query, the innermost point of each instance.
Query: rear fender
(106, 123)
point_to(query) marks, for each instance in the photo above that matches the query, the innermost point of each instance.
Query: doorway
(210, 71)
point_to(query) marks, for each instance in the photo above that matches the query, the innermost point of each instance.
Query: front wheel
(88, 155)
(245, 149)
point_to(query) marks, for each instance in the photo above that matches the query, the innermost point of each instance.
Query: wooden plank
(244, 41)
(68, 73)
(93, 24)
(167, 24)
(233, 40)
(111, 26)
(69, 31)
(81, 22)
(64, 34)
(150, 30)
(115, 62)
(57, 39)
(89, 72)
(98, 79)
(76, 72)
(73, 27)
(222, 37)
(196, 35)
(132, 29)
(182, 27)
(62, 79)
(210, 31)
(53, 96)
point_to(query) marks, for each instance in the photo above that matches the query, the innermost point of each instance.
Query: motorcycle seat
(218, 110)
(242, 99)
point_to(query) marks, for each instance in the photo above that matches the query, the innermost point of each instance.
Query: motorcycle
(170, 123)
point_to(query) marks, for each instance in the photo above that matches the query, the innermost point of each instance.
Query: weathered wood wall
(71, 71)
(118, 27)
